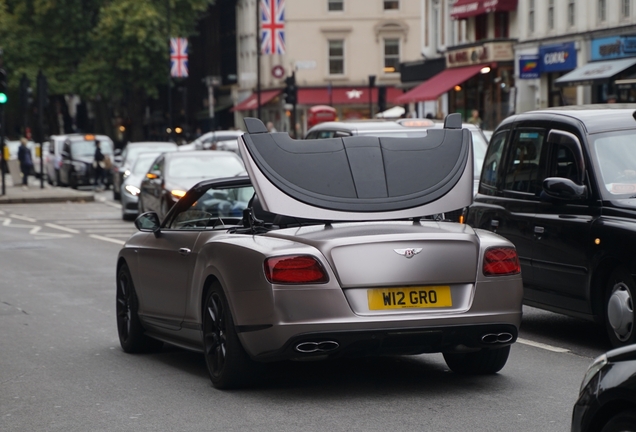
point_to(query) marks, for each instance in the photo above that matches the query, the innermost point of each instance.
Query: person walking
(26, 162)
(98, 165)
(474, 118)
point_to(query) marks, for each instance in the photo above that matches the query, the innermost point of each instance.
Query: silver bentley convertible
(327, 248)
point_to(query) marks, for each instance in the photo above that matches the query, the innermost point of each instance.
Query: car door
(562, 228)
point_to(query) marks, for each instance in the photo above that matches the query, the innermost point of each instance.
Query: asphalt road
(61, 367)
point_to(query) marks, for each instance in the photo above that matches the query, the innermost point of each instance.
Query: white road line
(24, 218)
(108, 239)
(542, 346)
(112, 204)
(71, 230)
(110, 231)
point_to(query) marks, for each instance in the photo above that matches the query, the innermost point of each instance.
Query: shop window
(522, 171)
(336, 5)
(336, 57)
(571, 13)
(391, 4)
(481, 27)
(531, 16)
(626, 8)
(550, 14)
(501, 25)
(602, 10)
(391, 55)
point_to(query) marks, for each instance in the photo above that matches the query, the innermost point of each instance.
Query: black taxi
(560, 183)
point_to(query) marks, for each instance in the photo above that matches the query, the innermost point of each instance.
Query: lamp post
(371, 86)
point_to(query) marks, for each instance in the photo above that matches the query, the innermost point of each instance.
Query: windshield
(615, 159)
(144, 162)
(208, 166)
(131, 152)
(87, 148)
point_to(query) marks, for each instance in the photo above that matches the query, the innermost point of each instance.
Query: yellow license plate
(409, 297)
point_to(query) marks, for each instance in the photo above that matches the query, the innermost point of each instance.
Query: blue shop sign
(557, 58)
(529, 66)
(613, 47)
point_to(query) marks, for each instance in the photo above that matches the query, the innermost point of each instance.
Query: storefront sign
(557, 58)
(488, 52)
(529, 66)
(613, 47)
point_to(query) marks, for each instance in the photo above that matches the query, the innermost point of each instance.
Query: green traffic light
(3, 98)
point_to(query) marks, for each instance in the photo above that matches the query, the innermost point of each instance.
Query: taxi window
(492, 160)
(522, 170)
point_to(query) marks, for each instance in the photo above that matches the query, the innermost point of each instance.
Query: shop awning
(439, 84)
(252, 103)
(343, 95)
(595, 72)
(463, 9)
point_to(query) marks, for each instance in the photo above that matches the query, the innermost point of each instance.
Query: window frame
(550, 15)
(531, 23)
(602, 10)
(626, 9)
(390, 2)
(331, 57)
(571, 13)
(394, 57)
(335, 2)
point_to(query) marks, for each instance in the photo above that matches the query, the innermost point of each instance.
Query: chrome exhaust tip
(314, 347)
(494, 338)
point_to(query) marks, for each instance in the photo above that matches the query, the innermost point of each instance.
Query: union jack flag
(179, 57)
(273, 26)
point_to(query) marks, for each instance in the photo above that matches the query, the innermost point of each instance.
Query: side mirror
(153, 175)
(563, 188)
(148, 222)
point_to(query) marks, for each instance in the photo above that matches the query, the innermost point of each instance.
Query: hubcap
(620, 311)
(214, 337)
(123, 308)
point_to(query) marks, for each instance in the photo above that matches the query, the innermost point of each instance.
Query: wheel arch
(609, 410)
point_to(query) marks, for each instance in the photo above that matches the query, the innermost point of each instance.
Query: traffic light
(291, 91)
(3, 86)
(381, 98)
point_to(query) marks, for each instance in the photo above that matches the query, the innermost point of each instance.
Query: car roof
(151, 143)
(595, 118)
(363, 126)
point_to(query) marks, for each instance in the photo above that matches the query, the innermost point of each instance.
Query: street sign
(278, 71)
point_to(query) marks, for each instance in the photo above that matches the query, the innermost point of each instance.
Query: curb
(46, 199)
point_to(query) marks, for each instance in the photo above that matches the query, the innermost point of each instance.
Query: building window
(531, 16)
(625, 8)
(336, 57)
(550, 14)
(391, 4)
(336, 5)
(571, 13)
(481, 27)
(391, 55)
(602, 10)
(501, 25)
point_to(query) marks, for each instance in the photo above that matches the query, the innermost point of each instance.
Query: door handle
(184, 251)
(539, 230)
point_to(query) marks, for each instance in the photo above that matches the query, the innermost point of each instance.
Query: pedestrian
(474, 118)
(26, 162)
(270, 127)
(98, 166)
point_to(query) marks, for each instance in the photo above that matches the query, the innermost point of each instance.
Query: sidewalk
(34, 194)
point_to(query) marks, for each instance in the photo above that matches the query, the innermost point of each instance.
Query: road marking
(112, 204)
(542, 346)
(24, 218)
(108, 239)
(71, 230)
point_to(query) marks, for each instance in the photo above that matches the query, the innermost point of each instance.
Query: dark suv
(561, 185)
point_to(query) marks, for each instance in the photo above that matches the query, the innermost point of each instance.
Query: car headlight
(598, 364)
(133, 190)
(126, 173)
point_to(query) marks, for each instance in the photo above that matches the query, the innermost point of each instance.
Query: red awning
(343, 95)
(467, 8)
(251, 102)
(441, 83)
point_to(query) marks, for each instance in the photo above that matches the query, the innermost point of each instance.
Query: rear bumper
(392, 341)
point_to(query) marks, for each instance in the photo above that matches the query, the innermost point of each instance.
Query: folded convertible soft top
(362, 174)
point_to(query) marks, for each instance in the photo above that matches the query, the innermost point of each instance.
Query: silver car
(324, 250)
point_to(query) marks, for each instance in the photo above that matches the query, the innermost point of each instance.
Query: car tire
(621, 422)
(229, 366)
(129, 328)
(484, 362)
(620, 292)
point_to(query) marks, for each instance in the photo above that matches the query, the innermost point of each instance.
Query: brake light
(499, 261)
(294, 269)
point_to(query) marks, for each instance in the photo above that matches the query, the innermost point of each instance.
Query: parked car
(333, 255)
(53, 160)
(173, 173)
(123, 163)
(607, 400)
(78, 154)
(131, 184)
(560, 184)
(215, 140)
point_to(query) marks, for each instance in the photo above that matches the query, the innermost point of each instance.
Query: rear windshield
(205, 167)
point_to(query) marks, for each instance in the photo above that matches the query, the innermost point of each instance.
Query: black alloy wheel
(228, 364)
(620, 292)
(622, 422)
(483, 362)
(129, 328)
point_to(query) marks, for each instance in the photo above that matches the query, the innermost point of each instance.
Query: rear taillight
(294, 269)
(499, 261)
